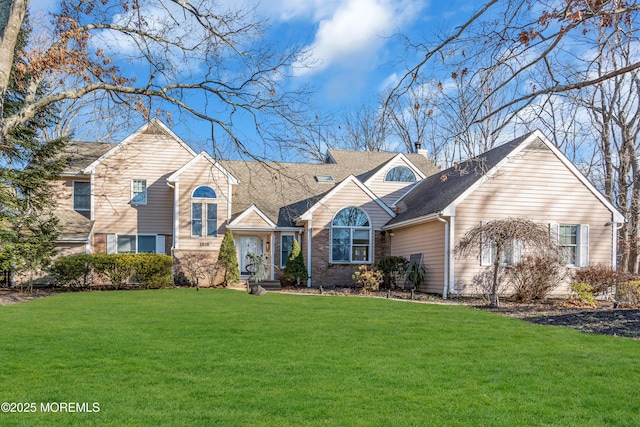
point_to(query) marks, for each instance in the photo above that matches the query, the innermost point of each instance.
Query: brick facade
(329, 275)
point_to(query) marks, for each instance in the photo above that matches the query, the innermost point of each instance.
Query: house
(153, 193)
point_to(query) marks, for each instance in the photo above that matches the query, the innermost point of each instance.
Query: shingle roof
(82, 154)
(283, 191)
(73, 225)
(439, 190)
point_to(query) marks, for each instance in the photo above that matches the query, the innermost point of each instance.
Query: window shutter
(160, 244)
(486, 250)
(516, 253)
(583, 245)
(111, 244)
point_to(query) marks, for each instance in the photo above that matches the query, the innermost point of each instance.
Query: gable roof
(350, 179)
(236, 222)
(73, 226)
(202, 155)
(372, 174)
(82, 154)
(441, 192)
(284, 191)
(152, 126)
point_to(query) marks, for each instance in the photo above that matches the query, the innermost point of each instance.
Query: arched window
(351, 236)
(400, 174)
(204, 213)
(203, 192)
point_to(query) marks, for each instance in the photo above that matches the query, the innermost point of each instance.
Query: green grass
(222, 357)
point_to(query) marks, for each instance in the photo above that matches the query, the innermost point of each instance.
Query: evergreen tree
(229, 260)
(28, 163)
(295, 268)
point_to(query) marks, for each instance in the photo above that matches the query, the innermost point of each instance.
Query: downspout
(174, 243)
(614, 249)
(446, 256)
(271, 255)
(309, 253)
(452, 274)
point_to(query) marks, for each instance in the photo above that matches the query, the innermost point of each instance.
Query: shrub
(147, 270)
(416, 273)
(229, 260)
(295, 268)
(628, 293)
(392, 267)
(584, 292)
(600, 277)
(73, 271)
(534, 278)
(369, 280)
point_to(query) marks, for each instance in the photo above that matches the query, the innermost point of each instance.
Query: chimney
(419, 149)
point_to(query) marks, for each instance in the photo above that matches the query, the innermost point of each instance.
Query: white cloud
(353, 31)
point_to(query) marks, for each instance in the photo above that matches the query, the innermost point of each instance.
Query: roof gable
(252, 211)
(350, 179)
(401, 160)
(152, 126)
(201, 156)
(442, 192)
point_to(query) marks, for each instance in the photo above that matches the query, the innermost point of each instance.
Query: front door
(248, 244)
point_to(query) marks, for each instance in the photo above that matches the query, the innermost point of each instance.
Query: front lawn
(222, 357)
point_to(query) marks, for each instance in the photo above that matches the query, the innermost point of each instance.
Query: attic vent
(324, 179)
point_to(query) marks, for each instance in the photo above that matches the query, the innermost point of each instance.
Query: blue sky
(354, 49)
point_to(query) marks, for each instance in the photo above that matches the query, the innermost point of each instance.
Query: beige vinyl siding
(389, 192)
(542, 189)
(350, 195)
(202, 172)
(152, 157)
(429, 240)
(63, 190)
(252, 219)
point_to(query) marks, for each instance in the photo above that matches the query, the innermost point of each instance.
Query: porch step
(271, 285)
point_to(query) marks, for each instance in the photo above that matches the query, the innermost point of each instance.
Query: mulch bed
(605, 319)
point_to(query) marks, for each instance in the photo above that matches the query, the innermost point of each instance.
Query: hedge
(116, 270)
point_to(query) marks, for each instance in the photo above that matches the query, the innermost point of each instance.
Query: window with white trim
(286, 246)
(135, 243)
(138, 191)
(574, 243)
(511, 253)
(82, 196)
(204, 214)
(400, 174)
(351, 236)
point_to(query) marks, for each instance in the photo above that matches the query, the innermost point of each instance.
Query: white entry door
(248, 244)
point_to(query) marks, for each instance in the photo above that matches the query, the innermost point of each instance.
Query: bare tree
(499, 235)
(532, 41)
(364, 128)
(202, 59)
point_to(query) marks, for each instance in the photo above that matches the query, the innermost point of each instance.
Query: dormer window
(400, 174)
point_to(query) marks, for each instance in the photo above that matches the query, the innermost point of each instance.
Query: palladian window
(400, 174)
(351, 236)
(204, 213)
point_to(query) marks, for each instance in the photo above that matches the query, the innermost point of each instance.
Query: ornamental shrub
(584, 292)
(534, 278)
(295, 268)
(600, 277)
(369, 280)
(73, 271)
(118, 270)
(229, 260)
(392, 268)
(628, 294)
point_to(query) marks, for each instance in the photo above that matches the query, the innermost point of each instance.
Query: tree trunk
(494, 286)
(12, 14)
